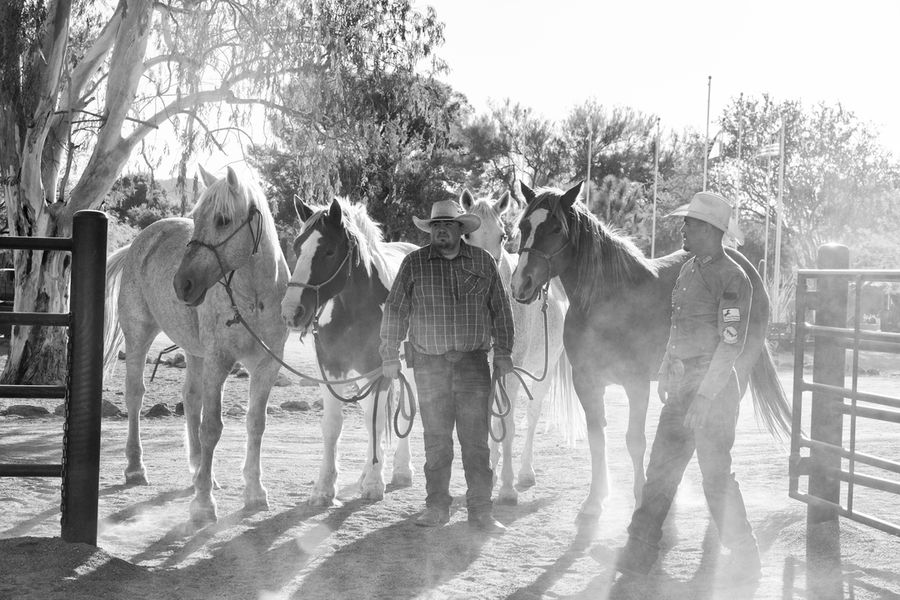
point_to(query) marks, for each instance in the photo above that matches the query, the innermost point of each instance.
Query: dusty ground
(361, 550)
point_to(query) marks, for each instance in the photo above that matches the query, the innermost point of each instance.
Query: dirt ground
(358, 550)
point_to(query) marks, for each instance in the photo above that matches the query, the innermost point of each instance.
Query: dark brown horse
(618, 320)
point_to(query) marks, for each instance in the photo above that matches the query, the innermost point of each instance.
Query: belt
(452, 356)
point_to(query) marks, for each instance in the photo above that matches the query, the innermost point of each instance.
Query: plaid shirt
(456, 304)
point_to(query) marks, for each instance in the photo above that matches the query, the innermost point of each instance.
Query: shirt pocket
(474, 282)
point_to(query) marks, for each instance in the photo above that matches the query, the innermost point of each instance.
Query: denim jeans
(672, 450)
(456, 394)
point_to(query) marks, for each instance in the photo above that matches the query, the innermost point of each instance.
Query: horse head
(324, 251)
(546, 249)
(228, 226)
(492, 234)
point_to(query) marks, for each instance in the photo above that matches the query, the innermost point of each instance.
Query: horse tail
(769, 400)
(566, 412)
(113, 337)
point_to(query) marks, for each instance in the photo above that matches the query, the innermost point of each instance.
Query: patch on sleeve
(730, 335)
(729, 295)
(730, 315)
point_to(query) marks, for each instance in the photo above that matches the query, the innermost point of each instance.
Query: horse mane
(219, 199)
(606, 259)
(367, 234)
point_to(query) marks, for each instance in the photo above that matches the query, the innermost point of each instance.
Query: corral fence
(827, 453)
(80, 466)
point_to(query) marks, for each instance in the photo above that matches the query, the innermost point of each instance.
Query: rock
(272, 410)
(159, 410)
(237, 410)
(317, 405)
(121, 355)
(242, 373)
(60, 410)
(283, 381)
(301, 405)
(178, 361)
(236, 368)
(26, 410)
(108, 409)
(179, 409)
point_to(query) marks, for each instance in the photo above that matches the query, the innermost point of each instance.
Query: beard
(444, 242)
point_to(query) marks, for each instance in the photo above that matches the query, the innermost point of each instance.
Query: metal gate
(830, 462)
(80, 467)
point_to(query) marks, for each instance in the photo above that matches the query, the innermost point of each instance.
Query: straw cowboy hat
(449, 210)
(713, 209)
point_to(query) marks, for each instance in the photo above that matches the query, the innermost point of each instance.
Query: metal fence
(833, 405)
(80, 466)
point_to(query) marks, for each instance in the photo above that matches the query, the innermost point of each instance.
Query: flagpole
(765, 272)
(737, 199)
(655, 181)
(590, 149)
(776, 293)
(706, 145)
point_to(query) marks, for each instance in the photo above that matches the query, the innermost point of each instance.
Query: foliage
(138, 201)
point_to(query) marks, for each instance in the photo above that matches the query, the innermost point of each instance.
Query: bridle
(547, 256)
(257, 237)
(317, 309)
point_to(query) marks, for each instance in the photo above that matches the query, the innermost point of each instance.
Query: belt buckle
(454, 356)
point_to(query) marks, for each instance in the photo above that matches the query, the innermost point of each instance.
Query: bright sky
(656, 56)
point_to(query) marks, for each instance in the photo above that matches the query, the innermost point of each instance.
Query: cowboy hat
(706, 206)
(449, 210)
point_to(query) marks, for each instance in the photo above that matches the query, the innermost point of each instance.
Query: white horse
(528, 353)
(166, 281)
(342, 277)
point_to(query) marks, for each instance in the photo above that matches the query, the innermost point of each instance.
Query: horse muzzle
(187, 290)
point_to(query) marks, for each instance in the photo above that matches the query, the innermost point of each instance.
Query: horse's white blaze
(327, 310)
(536, 218)
(302, 271)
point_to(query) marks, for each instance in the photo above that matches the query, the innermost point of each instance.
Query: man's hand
(391, 370)
(503, 365)
(661, 386)
(699, 413)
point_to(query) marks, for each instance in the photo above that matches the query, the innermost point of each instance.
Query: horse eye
(329, 253)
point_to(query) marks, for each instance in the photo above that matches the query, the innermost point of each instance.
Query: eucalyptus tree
(84, 83)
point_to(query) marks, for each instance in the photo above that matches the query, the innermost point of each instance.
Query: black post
(81, 452)
(826, 425)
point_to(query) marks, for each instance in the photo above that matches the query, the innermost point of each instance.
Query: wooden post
(826, 425)
(81, 451)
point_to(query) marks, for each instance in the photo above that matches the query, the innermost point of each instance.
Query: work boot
(636, 558)
(433, 516)
(486, 523)
(741, 566)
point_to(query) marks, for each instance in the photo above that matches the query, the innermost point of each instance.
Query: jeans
(672, 450)
(456, 394)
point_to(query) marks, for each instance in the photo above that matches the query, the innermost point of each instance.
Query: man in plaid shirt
(449, 298)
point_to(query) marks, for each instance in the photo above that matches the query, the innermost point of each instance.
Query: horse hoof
(526, 482)
(136, 478)
(372, 494)
(203, 514)
(401, 480)
(320, 500)
(507, 499)
(256, 501)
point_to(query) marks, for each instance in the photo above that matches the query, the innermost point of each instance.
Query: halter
(255, 237)
(317, 310)
(545, 256)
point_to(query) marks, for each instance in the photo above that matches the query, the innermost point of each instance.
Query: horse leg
(136, 348)
(402, 472)
(261, 379)
(215, 370)
(324, 491)
(371, 481)
(590, 390)
(638, 393)
(507, 493)
(191, 401)
(526, 466)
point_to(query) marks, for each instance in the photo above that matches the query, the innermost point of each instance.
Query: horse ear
(208, 178)
(232, 178)
(527, 192)
(335, 213)
(503, 203)
(303, 211)
(466, 200)
(569, 198)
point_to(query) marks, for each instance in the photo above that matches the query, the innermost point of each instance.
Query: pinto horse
(166, 281)
(342, 277)
(618, 321)
(529, 352)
